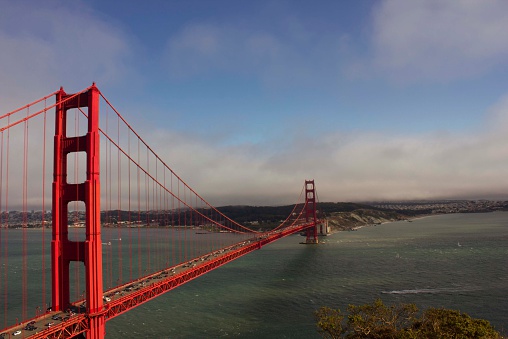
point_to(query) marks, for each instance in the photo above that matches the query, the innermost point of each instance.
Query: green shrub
(378, 321)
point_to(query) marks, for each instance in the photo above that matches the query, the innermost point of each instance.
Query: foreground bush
(377, 321)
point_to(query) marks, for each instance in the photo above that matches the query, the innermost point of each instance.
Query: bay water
(457, 261)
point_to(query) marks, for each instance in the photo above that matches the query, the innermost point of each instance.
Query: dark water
(457, 261)
(454, 261)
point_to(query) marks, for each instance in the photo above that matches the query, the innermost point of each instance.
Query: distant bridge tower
(63, 251)
(310, 212)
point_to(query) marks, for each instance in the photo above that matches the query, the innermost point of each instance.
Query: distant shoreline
(355, 222)
(411, 219)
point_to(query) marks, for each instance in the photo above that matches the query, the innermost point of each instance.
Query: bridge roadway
(120, 299)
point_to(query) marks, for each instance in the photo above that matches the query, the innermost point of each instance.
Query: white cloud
(45, 45)
(52, 44)
(347, 166)
(498, 118)
(439, 40)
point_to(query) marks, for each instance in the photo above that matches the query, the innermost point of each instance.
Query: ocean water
(457, 261)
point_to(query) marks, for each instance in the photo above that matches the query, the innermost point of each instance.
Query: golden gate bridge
(125, 228)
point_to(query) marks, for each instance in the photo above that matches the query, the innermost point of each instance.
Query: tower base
(310, 242)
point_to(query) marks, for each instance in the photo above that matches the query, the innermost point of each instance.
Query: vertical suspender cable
(173, 236)
(156, 211)
(107, 207)
(43, 221)
(166, 230)
(192, 247)
(139, 213)
(192, 234)
(110, 213)
(147, 211)
(130, 219)
(119, 241)
(180, 259)
(188, 213)
(185, 218)
(6, 294)
(25, 220)
(198, 217)
(2, 245)
(108, 201)
(193, 225)
(160, 234)
(160, 230)
(196, 224)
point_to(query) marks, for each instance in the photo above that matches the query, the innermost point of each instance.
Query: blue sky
(375, 100)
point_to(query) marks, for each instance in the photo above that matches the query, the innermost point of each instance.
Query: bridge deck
(120, 299)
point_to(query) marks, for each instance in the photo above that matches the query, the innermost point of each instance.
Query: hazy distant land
(341, 216)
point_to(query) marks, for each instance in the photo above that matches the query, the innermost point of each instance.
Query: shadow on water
(273, 292)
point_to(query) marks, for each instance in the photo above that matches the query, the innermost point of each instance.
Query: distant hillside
(341, 215)
(276, 213)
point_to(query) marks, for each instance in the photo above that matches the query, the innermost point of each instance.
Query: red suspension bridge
(125, 228)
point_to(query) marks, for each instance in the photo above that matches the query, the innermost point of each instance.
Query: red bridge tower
(310, 212)
(63, 251)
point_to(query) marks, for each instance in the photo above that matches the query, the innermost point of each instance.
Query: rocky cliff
(342, 221)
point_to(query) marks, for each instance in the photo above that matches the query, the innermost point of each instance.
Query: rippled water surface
(457, 261)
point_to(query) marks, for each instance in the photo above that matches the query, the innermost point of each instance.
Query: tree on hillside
(378, 321)
(453, 324)
(329, 322)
